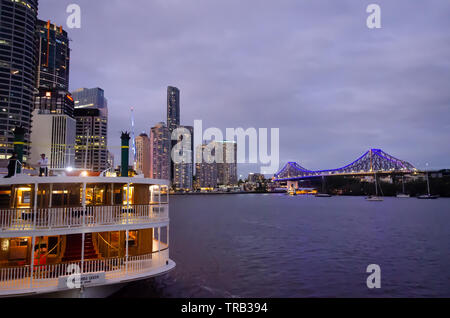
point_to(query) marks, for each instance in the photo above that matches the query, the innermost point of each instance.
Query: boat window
(131, 195)
(132, 238)
(95, 194)
(5, 198)
(23, 196)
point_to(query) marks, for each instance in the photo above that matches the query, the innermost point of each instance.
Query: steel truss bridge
(374, 161)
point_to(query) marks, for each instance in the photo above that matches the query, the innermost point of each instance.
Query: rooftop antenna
(133, 137)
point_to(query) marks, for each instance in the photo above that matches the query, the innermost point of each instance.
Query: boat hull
(428, 197)
(374, 199)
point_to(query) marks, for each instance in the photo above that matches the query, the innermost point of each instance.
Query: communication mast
(133, 138)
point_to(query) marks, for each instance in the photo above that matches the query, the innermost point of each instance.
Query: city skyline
(334, 85)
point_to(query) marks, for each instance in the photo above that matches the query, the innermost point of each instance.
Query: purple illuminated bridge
(373, 161)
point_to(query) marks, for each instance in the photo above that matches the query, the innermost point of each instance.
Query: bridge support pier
(292, 185)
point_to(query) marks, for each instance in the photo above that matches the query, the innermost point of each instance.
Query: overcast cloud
(312, 68)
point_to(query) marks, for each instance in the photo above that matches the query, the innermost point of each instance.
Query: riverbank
(217, 193)
(278, 192)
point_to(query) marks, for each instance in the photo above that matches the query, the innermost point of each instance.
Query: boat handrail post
(83, 199)
(33, 241)
(82, 252)
(127, 233)
(128, 199)
(112, 194)
(159, 241)
(50, 200)
(36, 187)
(159, 201)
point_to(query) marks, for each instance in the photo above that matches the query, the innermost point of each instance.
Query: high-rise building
(227, 169)
(17, 71)
(91, 114)
(90, 98)
(143, 155)
(160, 152)
(183, 172)
(173, 108)
(256, 177)
(54, 101)
(205, 168)
(53, 56)
(110, 159)
(54, 127)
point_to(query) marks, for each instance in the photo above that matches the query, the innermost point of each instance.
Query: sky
(313, 69)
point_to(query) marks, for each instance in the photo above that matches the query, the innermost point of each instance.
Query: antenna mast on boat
(133, 138)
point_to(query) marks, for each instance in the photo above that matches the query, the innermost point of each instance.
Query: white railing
(91, 216)
(44, 276)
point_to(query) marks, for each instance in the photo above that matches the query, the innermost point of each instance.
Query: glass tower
(173, 108)
(17, 71)
(53, 57)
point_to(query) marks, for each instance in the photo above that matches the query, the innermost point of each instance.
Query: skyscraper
(17, 71)
(183, 171)
(227, 170)
(91, 114)
(143, 155)
(54, 127)
(53, 56)
(205, 168)
(160, 152)
(173, 108)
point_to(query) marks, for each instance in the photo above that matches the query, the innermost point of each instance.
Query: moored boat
(428, 197)
(81, 236)
(323, 195)
(375, 198)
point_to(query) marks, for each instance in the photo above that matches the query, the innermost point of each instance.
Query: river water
(275, 245)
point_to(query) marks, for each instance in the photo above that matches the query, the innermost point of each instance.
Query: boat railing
(89, 216)
(47, 276)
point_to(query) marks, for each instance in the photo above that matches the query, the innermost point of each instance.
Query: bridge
(374, 161)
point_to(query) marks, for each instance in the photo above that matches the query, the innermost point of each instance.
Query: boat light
(5, 245)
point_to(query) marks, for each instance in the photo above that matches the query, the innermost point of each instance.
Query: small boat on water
(403, 195)
(375, 198)
(428, 196)
(323, 195)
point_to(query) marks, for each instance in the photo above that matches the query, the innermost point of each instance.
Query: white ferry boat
(81, 236)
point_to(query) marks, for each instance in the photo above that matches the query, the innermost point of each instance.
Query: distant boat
(323, 195)
(428, 196)
(403, 195)
(292, 191)
(375, 198)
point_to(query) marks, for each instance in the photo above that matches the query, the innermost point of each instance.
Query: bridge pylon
(292, 185)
